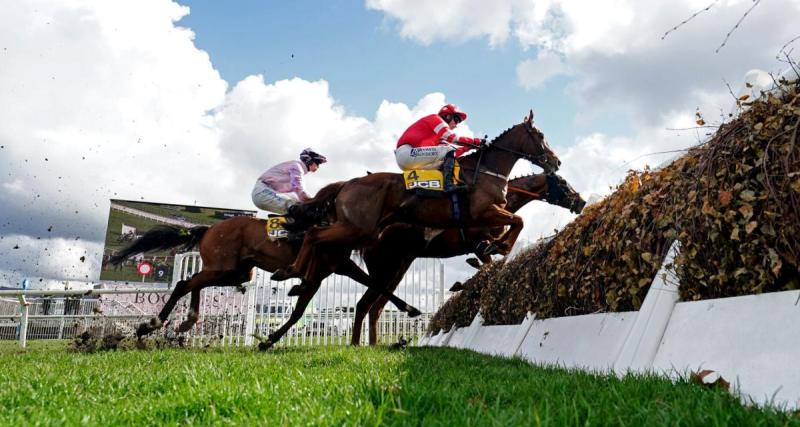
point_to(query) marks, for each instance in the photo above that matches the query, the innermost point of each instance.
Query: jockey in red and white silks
(425, 143)
(282, 185)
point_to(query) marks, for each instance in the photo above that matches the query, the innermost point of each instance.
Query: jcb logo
(432, 184)
(275, 228)
(277, 234)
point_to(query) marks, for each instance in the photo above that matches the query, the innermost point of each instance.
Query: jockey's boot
(447, 171)
(294, 212)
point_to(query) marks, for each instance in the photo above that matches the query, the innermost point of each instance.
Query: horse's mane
(530, 175)
(502, 134)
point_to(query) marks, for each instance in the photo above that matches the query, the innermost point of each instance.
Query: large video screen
(127, 220)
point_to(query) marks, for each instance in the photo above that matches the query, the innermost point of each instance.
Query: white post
(641, 344)
(472, 331)
(23, 322)
(250, 318)
(176, 269)
(446, 339)
(522, 332)
(441, 285)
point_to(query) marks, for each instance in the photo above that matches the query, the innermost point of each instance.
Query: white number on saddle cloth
(426, 179)
(275, 228)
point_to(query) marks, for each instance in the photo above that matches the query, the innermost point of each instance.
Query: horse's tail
(315, 210)
(162, 237)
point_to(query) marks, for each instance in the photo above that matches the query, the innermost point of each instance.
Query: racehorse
(363, 206)
(230, 250)
(400, 244)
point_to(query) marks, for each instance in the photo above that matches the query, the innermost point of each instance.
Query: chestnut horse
(400, 244)
(230, 250)
(363, 206)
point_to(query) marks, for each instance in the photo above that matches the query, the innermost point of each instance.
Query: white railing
(227, 315)
(750, 341)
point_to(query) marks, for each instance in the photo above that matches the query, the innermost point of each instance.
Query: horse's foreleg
(350, 269)
(499, 217)
(508, 239)
(181, 288)
(362, 308)
(194, 312)
(300, 265)
(374, 315)
(300, 307)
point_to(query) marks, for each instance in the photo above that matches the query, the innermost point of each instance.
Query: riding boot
(294, 212)
(447, 171)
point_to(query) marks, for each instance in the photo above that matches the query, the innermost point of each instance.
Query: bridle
(536, 159)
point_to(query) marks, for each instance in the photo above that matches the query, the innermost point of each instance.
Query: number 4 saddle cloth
(429, 182)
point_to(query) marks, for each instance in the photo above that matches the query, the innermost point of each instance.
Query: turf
(48, 385)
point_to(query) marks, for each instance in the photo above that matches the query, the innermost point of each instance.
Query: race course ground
(49, 385)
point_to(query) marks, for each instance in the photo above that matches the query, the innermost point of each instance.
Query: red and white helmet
(452, 110)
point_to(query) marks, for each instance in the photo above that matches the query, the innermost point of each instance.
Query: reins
(535, 159)
(519, 190)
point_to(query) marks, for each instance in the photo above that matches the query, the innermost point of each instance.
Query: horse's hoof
(457, 286)
(413, 312)
(185, 326)
(265, 345)
(281, 274)
(296, 290)
(474, 263)
(143, 330)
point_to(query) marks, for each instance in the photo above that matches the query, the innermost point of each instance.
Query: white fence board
(457, 338)
(496, 340)
(591, 341)
(752, 341)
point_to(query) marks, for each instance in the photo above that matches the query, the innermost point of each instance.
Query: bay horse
(365, 205)
(400, 244)
(229, 250)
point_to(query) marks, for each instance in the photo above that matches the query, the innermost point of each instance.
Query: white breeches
(267, 199)
(421, 158)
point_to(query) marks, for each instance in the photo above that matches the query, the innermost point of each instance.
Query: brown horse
(363, 206)
(230, 250)
(400, 244)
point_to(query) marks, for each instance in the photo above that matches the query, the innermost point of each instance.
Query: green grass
(48, 385)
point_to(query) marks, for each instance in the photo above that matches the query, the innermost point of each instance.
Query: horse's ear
(530, 117)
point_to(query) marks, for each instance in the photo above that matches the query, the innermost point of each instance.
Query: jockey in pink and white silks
(282, 185)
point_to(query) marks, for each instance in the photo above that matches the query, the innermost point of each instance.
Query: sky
(188, 102)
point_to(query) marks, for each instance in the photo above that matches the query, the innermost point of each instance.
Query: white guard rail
(227, 315)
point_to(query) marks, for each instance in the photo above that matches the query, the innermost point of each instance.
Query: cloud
(532, 74)
(47, 258)
(614, 48)
(107, 100)
(453, 20)
(261, 124)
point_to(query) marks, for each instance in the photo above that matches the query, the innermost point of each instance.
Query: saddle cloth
(429, 181)
(275, 229)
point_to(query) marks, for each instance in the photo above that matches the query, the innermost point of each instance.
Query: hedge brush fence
(732, 202)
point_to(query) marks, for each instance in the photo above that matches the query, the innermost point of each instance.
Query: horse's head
(560, 193)
(536, 148)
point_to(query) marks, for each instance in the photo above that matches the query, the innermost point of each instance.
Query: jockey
(429, 142)
(282, 185)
